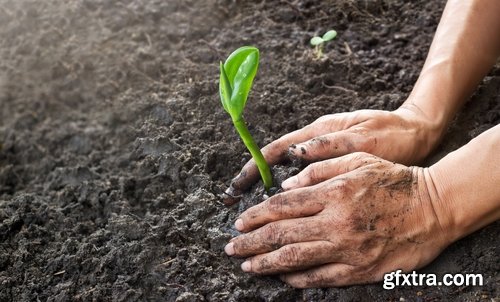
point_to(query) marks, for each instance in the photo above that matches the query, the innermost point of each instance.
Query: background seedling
(319, 42)
(236, 78)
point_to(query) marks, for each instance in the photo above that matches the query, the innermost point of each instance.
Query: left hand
(405, 135)
(343, 221)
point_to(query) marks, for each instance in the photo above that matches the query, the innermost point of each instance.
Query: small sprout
(236, 78)
(319, 42)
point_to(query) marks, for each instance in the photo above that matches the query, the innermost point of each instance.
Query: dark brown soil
(114, 145)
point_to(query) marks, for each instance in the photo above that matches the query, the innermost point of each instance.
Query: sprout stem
(247, 139)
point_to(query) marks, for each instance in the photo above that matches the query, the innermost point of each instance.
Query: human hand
(343, 221)
(404, 136)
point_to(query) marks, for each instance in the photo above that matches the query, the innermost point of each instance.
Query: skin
(352, 216)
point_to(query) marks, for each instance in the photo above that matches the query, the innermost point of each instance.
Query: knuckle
(330, 120)
(367, 143)
(321, 143)
(341, 186)
(276, 204)
(312, 128)
(359, 155)
(280, 143)
(322, 119)
(272, 234)
(249, 215)
(317, 171)
(359, 159)
(289, 256)
(273, 146)
(239, 246)
(261, 264)
(313, 279)
(311, 171)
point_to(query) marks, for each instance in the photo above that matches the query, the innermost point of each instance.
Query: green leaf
(235, 59)
(224, 88)
(240, 69)
(235, 82)
(243, 79)
(316, 41)
(329, 35)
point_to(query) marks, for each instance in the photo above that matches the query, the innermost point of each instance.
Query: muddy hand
(404, 136)
(347, 221)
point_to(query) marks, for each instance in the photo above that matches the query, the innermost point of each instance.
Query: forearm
(465, 47)
(465, 185)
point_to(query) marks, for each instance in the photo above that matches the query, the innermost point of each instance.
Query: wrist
(464, 185)
(446, 203)
(428, 131)
(436, 207)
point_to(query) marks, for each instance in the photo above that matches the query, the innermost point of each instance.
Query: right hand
(404, 136)
(345, 221)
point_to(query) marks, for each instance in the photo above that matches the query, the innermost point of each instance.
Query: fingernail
(290, 183)
(238, 224)
(246, 266)
(230, 196)
(229, 249)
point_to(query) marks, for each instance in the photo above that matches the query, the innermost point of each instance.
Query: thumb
(248, 175)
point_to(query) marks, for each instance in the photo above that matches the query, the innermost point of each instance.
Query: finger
(292, 257)
(274, 153)
(278, 207)
(327, 169)
(328, 275)
(274, 235)
(333, 145)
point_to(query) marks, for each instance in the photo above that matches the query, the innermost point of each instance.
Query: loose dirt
(114, 146)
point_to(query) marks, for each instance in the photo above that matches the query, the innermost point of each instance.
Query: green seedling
(319, 42)
(236, 78)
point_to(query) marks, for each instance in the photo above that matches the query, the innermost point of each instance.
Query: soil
(115, 148)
